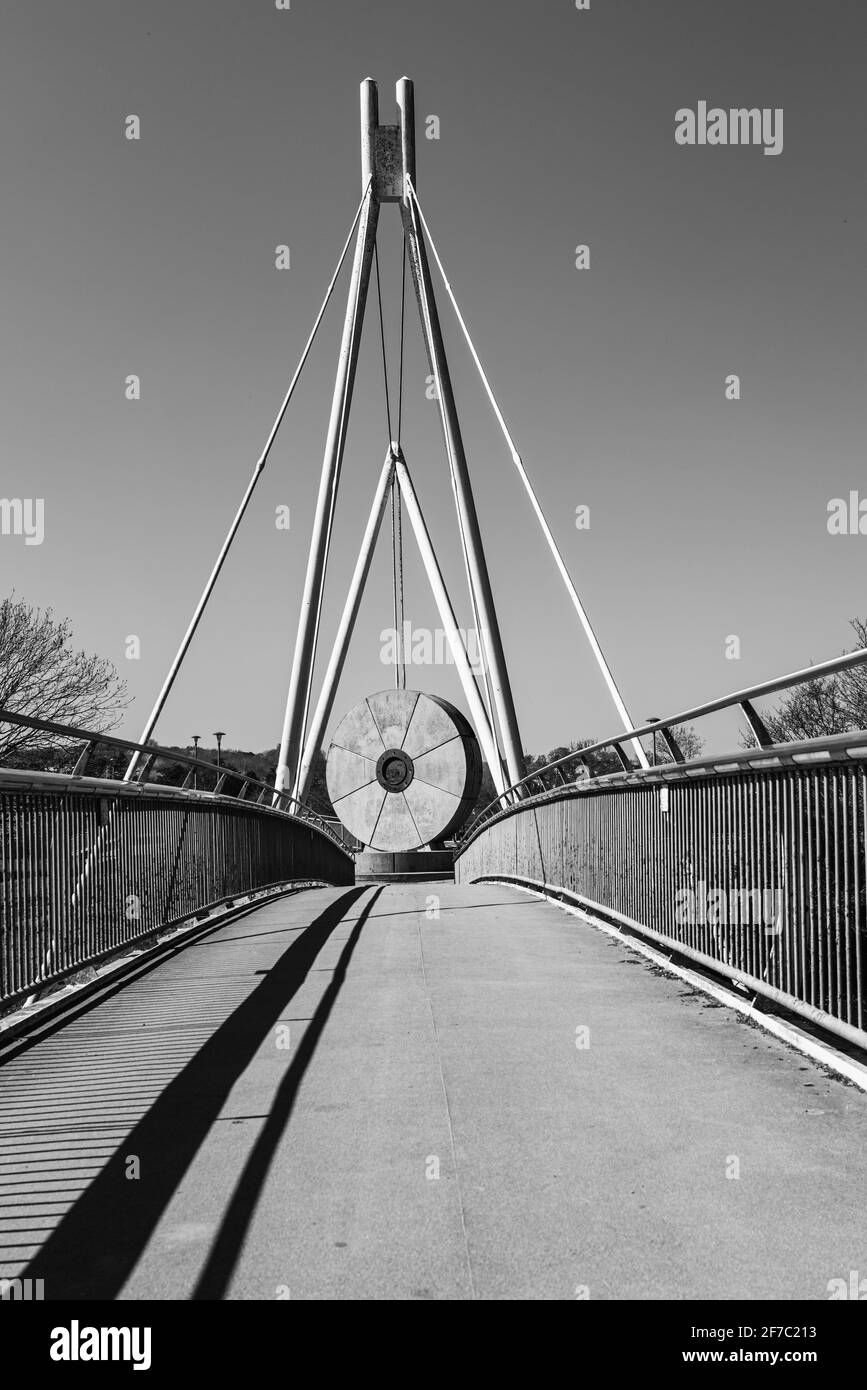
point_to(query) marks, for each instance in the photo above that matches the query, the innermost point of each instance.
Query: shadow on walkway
(95, 1248)
(214, 1279)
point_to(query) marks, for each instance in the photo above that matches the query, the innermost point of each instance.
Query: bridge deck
(421, 1045)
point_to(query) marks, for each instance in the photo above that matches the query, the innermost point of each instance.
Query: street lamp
(219, 735)
(653, 719)
(195, 738)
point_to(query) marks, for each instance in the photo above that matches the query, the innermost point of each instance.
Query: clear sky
(156, 257)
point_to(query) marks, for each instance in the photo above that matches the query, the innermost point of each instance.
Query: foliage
(43, 676)
(834, 704)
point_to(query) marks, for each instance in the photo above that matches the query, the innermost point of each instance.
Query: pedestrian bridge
(358, 1093)
(229, 1072)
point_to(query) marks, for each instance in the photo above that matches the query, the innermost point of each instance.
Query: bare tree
(606, 759)
(834, 704)
(43, 676)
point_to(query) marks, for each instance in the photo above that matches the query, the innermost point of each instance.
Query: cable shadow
(458, 910)
(173, 877)
(223, 1256)
(95, 1247)
(539, 845)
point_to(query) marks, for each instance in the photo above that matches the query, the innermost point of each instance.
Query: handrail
(738, 697)
(154, 751)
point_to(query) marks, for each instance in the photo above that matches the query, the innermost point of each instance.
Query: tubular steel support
(480, 582)
(397, 580)
(757, 725)
(595, 647)
(447, 618)
(239, 515)
(621, 757)
(672, 745)
(84, 758)
(311, 603)
(345, 630)
(145, 768)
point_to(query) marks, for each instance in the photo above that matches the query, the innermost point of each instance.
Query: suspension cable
(233, 529)
(522, 472)
(397, 580)
(332, 503)
(485, 682)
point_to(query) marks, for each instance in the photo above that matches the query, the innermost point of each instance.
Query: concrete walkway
(341, 1096)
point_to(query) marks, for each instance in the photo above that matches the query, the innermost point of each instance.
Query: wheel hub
(394, 770)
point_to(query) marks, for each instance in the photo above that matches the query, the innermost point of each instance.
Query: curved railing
(153, 753)
(91, 866)
(520, 792)
(752, 864)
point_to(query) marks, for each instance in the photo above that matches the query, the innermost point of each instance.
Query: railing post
(757, 725)
(297, 702)
(622, 758)
(84, 758)
(672, 745)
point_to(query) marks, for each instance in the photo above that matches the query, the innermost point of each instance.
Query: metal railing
(345, 836)
(90, 741)
(520, 792)
(753, 864)
(90, 865)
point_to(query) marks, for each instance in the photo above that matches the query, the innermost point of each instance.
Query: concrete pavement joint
(447, 1108)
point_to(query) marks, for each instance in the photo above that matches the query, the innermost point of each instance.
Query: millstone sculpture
(403, 770)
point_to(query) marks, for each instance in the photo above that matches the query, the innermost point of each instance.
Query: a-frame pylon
(388, 175)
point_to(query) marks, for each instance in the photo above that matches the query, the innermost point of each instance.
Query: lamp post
(219, 735)
(195, 738)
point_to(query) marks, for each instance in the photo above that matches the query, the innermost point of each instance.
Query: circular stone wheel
(403, 770)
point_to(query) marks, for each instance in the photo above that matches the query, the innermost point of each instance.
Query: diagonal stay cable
(397, 581)
(332, 505)
(522, 472)
(233, 529)
(424, 307)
